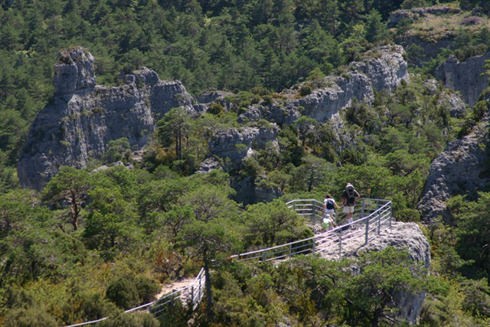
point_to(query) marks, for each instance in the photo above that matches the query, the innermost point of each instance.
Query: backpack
(329, 204)
(351, 196)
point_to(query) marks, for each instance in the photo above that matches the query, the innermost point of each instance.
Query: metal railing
(313, 209)
(370, 216)
(187, 295)
(374, 214)
(190, 295)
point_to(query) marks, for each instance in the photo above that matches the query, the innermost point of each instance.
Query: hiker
(327, 223)
(329, 206)
(348, 198)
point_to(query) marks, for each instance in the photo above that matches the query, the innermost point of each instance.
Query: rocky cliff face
(233, 145)
(461, 169)
(466, 77)
(407, 236)
(383, 70)
(82, 118)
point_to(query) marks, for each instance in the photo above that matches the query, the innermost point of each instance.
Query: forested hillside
(99, 240)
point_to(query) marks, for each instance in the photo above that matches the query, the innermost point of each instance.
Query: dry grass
(433, 28)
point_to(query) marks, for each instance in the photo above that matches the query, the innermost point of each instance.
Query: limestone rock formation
(466, 77)
(82, 118)
(235, 144)
(406, 236)
(383, 70)
(74, 71)
(461, 169)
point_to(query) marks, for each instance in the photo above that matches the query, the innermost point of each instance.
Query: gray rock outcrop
(407, 236)
(73, 71)
(235, 144)
(383, 70)
(82, 118)
(467, 77)
(461, 169)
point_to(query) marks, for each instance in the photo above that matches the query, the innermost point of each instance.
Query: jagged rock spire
(74, 71)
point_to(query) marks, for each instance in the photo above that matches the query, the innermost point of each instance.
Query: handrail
(336, 235)
(379, 213)
(196, 288)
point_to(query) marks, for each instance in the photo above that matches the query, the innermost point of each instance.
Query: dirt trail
(168, 288)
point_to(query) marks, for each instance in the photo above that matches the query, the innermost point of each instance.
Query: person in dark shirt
(329, 206)
(348, 199)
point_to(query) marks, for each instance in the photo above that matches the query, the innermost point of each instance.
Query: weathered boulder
(461, 169)
(456, 105)
(208, 165)
(466, 77)
(212, 96)
(235, 144)
(278, 113)
(82, 117)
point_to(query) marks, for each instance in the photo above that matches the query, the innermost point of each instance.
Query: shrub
(407, 215)
(118, 150)
(147, 288)
(260, 90)
(95, 306)
(305, 90)
(479, 109)
(471, 20)
(138, 319)
(215, 108)
(268, 99)
(123, 292)
(30, 317)
(409, 4)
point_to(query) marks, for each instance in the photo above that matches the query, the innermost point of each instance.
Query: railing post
(340, 243)
(362, 208)
(192, 296)
(367, 231)
(290, 250)
(391, 215)
(200, 289)
(379, 223)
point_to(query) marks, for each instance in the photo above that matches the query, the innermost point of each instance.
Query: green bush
(29, 317)
(123, 292)
(304, 90)
(146, 287)
(215, 108)
(137, 319)
(117, 150)
(407, 215)
(95, 306)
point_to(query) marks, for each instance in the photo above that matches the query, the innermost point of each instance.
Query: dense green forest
(93, 243)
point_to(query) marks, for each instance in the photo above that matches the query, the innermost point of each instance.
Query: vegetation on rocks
(97, 241)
